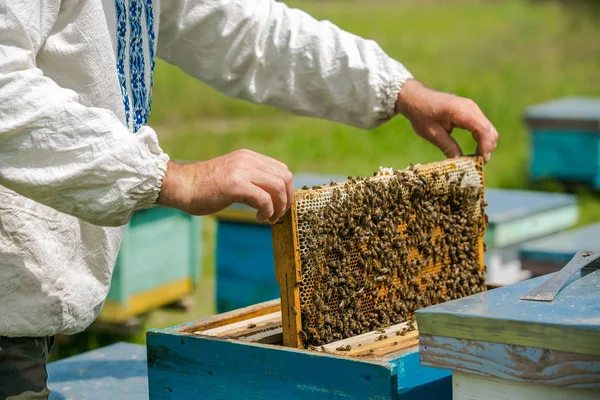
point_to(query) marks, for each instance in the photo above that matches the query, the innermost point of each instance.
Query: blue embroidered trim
(137, 73)
(151, 38)
(121, 13)
(141, 97)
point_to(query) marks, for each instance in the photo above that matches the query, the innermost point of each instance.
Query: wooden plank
(361, 345)
(519, 363)
(274, 336)
(287, 273)
(499, 316)
(385, 346)
(231, 317)
(196, 367)
(476, 387)
(247, 326)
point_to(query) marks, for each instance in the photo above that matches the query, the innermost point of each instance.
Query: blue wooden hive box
(158, 263)
(552, 252)
(244, 253)
(501, 347)
(565, 140)
(519, 216)
(239, 355)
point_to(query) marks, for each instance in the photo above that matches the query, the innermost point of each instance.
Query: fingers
(259, 199)
(272, 177)
(443, 140)
(276, 188)
(279, 169)
(467, 115)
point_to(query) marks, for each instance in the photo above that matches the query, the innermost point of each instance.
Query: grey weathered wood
(519, 363)
(477, 387)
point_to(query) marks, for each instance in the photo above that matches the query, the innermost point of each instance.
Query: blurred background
(505, 55)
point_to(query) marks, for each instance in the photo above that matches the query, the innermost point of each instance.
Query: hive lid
(570, 323)
(508, 205)
(561, 247)
(578, 113)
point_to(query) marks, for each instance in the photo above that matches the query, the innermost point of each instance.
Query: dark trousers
(23, 374)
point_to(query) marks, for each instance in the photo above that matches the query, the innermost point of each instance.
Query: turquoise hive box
(239, 355)
(565, 140)
(552, 252)
(244, 253)
(158, 263)
(501, 347)
(517, 217)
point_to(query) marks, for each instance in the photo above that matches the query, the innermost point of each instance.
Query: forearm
(265, 52)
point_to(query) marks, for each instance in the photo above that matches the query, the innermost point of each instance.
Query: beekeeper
(77, 157)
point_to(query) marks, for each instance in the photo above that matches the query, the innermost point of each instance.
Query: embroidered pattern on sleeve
(121, 14)
(149, 10)
(137, 65)
(130, 21)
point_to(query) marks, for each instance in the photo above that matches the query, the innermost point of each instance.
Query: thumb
(438, 136)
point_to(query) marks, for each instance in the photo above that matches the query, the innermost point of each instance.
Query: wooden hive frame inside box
(434, 199)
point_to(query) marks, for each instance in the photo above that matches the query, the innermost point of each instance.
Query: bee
(294, 310)
(344, 348)
(251, 325)
(303, 336)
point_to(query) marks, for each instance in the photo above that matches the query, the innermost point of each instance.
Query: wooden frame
(288, 269)
(262, 323)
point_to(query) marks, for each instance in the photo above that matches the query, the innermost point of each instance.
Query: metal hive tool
(363, 254)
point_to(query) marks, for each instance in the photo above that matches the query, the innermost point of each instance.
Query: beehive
(361, 255)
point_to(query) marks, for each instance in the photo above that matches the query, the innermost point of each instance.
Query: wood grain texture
(519, 363)
(476, 387)
(230, 317)
(498, 316)
(369, 344)
(287, 273)
(245, 327)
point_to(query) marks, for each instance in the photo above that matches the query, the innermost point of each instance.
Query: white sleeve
(79, 160)
(265, 52)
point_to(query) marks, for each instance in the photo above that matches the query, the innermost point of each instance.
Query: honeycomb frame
(295, 269)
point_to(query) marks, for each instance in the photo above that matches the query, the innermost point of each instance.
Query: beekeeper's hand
(434, 115)
(243, 176)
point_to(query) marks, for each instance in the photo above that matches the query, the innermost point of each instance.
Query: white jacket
(76, 156)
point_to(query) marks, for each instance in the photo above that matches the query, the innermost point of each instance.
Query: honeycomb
(373, 250)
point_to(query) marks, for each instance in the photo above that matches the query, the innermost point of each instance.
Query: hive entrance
(364, 254)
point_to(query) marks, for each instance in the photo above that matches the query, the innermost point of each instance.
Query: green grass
(505, 55)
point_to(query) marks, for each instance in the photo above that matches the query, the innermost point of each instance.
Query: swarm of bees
(379, 249)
